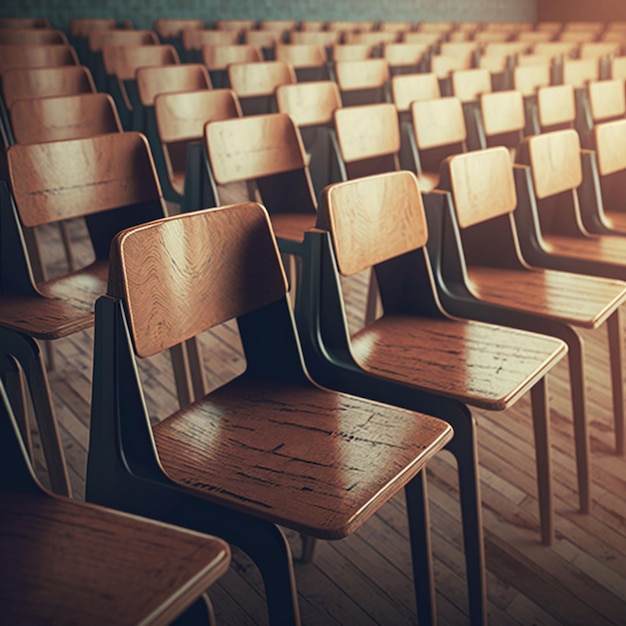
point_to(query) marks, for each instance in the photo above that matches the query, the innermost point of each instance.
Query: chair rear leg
(615, 334)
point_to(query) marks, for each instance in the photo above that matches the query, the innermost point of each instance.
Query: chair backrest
(12, 56)
(98, 39)
(24, 22)
(350, 26)
(442, 65)
(528, 78)
(609, 140)
(368, 137)
(427, 38)
(171, 28)
(407, 88)
(193, 40)
(37, 82)
(123, 61)
(503, 118)
(301, 55)
(395, 26)
(467, 85)
(531, 37)
(607, 99)
(482, 185)
(36, 120)
(373, 219)
(351, 52)
(229, 252)
(508, 49)
(578, 72)
(312, 26)
(409, 56)
(556, 107)
(556, 49)
(362, 82)
(371, 38)
(153, 80)
(618, 67)
(219, 57)
(237, 25)
(278, 25)
(554, 158)
(32, 36)
(309, 104)
(80, 27)
(598, 49)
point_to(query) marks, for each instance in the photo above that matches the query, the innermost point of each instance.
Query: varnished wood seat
(604, 101)
(406, 58)
(193, 39)
(495, 283)
(234, 24)
(180, 119)
(502, 119)
(32, 36)
(362, 82)
(556, 107)
(120, 67)
(267, 40)
(350, 52)
(52, 182)
(414, 352)
(309, 61)
(255, 84)
(217, 58)
(25, 22)
(443, 65)
(170, 30)
(16, 55)
(468, 86)
(321, 38)
(270, 446)
(527, 79)
(312, 105)
(67, 561)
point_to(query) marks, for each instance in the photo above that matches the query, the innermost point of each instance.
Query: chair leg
(14, 385)
(421, 553)
(372, 305)
(308, 549)
(541, 427)
(464, 448)
(195, 367)
(614, 325)
(27, 353)
(180, 367)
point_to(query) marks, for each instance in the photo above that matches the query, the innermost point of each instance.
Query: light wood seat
(406, 58)
(52, 182)
(604, 101)
(193, 39)
(284, 25)
(374, 38)
(362, 82)
(217, 58)
(503, 119)
(120, 66)
(579, 72)
(170, 31)
(618, 67)
(255, 84)
(468, 86)
(180, 119)
(414, 348)
(309, 61)
(320, 38)
(430, 39)
(235, 24)
(79, 30)
(312, 105)
(406, 89)
(498, 285)
(528, 79)
(32, 36)
(556, 107)
(351, 52)
(67, 561)
(270, 446)
(53, 55)
(443, 65)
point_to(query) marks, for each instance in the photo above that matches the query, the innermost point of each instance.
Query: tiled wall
(143, 12)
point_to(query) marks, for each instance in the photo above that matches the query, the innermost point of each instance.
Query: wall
(581, 10)
(143, 12)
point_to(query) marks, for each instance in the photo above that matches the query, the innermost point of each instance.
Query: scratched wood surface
(366, 578)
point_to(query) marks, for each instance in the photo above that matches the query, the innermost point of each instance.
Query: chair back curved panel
(607, 99)
(556, 107)
(609, 146)
(36, 56)
(468, 85)
(98, 39)
(407, 88)
(219, 57)
(310, 103)
(32, 36)
(153, 80)
(251, 80)
(503, 117)
(124, 60)
(438, 122)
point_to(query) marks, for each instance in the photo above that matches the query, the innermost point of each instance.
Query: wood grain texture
(219, 57)
(65, 179)
(66, 562)
(14, 55)
(367, 131)
(502, 112)
(528, 78)
(310, 103)
(403, 54)
(365, 74)
(152, 80)
(438, 122)
(36, 120)
(37, 82)
(555, 105)
(123, 61)
(318, 462)
(481, 364)
(410, 87)
(363, 234)
(259, 78)
(82, 26)
(266, 144)
(578, 72)
(467, 85)
(194, 273)
(609, 144)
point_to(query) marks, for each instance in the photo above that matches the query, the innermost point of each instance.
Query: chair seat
(292, 226)
(570, 298)
(69, 562)
(428, 180)
(300, 456)
(616, 220)
(602, 249)
(481, 364)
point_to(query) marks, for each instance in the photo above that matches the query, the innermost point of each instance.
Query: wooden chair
(67, 561)
(374, 38)
(395, 26)
(497, 284)
(362, 82)
(443, 65)
(284, 25)
(409, 356)
(467, 86)
(267, 448)
(170, 31)
(120, 67)
(406, 58)
(502, 119)
(255, 84)
(351, 26)
(237, 25)
(556, 108)
(618, 67)
(79, 30)
(528, 79)
(217, 58)
(320, 38)
(350, 52)
(193, 40)
(180, 119)
(25, 22)
(32, 36)
(52, 182)
(309, 61)
(604, 101)
(267, 40)
(22, 55)
(432, 39)
(311, 105)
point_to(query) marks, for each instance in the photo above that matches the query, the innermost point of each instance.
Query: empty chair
(24, 22)
(89, 564)
(406, 58)
(309, 61)
(16, 55)
(351, 26)
(362, 82)
(267, 448)
(351, 52)
(264, 39)
(52, 182)
(217, 58)
(413, 350)
(443, 65)
(395, 26)
(79, 30)
(193, 40)
(556, 107)
(603, 101)
(432, 39)
(32, 36)
(527, 79)
(618, 67)
(498, 285)
(238, 25)
(120, 66)
(283, 25)
(170, 31)
(467, 86)
(312, 105)
(502, 119)
(255, 84)
(320, 38)
(313, 26)
(374, 38)
(579, 72)
(180, 119)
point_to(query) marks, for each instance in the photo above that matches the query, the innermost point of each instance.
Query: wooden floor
(366, 579)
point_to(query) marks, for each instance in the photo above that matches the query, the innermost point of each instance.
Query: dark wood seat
(32, 36)
(170, 30)
(269, 447)
(67, 561)
(79, 30)
(495, 283)
(217, 58)
(25, 22)
(468, 86)
(414, 352)
(194, 39)
(52, 182)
